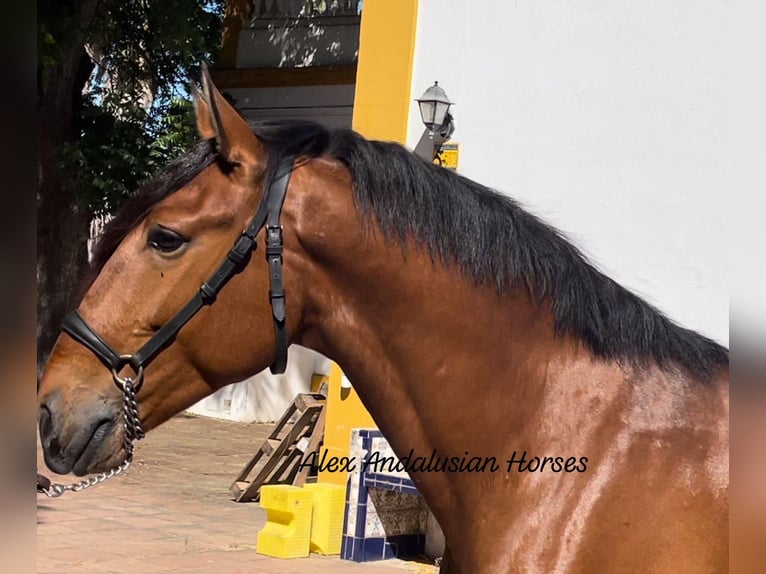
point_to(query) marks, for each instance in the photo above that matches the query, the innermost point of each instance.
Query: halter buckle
(274, 234)
(274, 241)
(240, 253)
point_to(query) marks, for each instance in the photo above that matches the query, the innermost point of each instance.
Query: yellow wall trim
(384, 71)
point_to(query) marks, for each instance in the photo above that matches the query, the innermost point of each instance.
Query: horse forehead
(211, 195)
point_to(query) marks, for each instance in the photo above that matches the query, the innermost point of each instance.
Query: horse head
(170, 239)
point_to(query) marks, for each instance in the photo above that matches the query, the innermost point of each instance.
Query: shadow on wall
(264, 397)
(298, 34)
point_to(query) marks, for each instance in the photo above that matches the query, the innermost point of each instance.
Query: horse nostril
(102, 429)
(44, 419)
(48, 437)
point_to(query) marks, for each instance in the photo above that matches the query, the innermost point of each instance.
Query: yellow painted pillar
(382, 98)
(382, 103)
(344, 412)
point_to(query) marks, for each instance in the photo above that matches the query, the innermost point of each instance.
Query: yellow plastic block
(288, 521)
(327, 517)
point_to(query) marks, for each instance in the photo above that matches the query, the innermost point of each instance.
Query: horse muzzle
(81, 442)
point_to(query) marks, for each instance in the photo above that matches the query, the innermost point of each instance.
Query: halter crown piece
(267, 215)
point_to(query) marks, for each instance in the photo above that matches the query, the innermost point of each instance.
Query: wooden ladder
(280, 460)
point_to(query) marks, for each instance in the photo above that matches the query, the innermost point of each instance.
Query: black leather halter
(267, 214)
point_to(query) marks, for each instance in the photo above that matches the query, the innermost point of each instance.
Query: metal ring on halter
(120, 381)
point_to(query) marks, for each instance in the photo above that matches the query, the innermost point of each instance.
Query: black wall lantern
(434, 111)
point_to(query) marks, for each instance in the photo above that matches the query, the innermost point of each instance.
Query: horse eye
(165, 240)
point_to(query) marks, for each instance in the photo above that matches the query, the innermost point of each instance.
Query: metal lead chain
(132, 423)
(133, 432)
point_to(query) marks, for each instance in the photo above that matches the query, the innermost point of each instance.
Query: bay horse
(468, 327)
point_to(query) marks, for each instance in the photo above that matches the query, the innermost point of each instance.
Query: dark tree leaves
(135, 114)
(112, 109)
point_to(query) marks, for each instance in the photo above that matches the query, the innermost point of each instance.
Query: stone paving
(172, 512)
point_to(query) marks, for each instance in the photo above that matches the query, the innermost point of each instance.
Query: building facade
(603, 118)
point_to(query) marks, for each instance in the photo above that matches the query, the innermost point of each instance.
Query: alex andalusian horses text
(465, 324)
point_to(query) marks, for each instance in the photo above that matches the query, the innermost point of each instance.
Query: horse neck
(427, 348)
(446, 365)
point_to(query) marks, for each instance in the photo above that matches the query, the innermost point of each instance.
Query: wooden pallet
(297, 435)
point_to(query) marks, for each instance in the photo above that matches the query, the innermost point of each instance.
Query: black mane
(488, 236)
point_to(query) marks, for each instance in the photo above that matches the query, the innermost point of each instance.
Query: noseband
(267, 214)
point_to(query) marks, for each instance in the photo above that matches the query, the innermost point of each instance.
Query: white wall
(603, 118)
(281, 43)
(264, 397)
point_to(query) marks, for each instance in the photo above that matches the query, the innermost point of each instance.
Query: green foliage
(176, 131)
(57, 25)
(135, 114)
(115, 155)
(153, 44)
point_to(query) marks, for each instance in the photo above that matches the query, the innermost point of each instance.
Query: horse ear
(202, 111)
(216, 118)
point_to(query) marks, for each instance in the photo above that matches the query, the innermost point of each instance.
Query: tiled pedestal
(385, 515)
